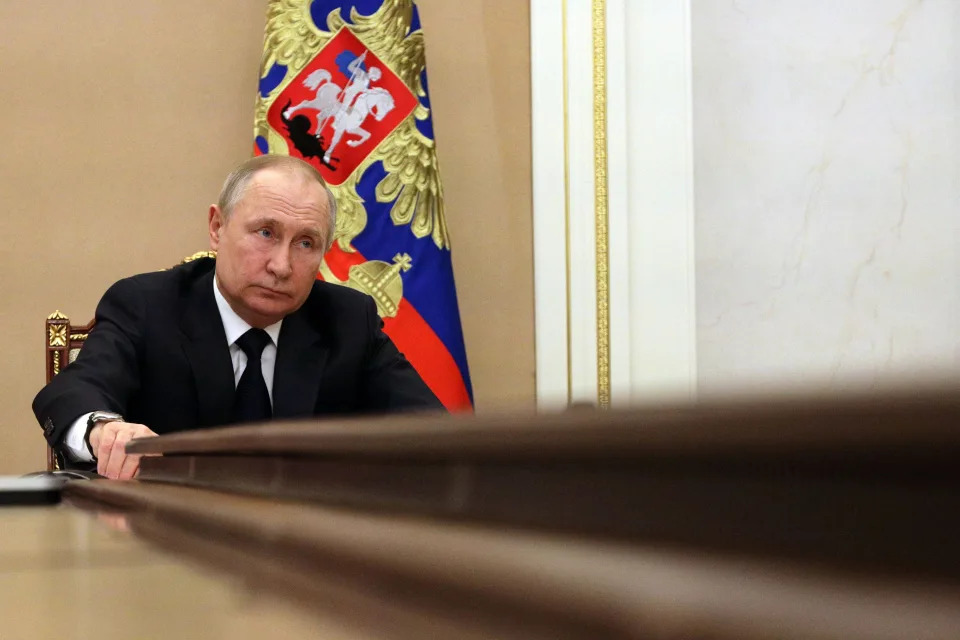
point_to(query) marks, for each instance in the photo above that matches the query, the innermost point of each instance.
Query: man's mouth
(272, 292)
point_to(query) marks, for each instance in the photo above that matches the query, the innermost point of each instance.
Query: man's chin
(269, 311)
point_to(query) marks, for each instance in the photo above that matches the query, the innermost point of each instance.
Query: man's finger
(129, 467)
(107, 437)
(118, 455)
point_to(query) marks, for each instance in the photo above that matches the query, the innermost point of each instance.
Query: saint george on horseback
(349, 106)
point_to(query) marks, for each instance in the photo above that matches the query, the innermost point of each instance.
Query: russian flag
(347, 92)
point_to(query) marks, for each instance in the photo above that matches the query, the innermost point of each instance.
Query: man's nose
(279, 263)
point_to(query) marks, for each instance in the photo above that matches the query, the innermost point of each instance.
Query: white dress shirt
(233, 326)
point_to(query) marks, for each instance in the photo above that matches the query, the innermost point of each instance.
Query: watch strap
(93, 420)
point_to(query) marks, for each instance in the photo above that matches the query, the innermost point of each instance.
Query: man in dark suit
(249, 336)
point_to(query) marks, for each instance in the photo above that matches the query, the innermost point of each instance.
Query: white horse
(347, 118)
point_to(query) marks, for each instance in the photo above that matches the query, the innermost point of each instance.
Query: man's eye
(265, 233)
(306, 244)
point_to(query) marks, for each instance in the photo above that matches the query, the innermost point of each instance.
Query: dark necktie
(252, 401)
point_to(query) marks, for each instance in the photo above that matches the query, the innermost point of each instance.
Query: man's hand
(109, 440)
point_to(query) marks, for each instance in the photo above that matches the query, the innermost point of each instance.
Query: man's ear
(215, 223)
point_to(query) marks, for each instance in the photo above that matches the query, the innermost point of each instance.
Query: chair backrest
(64, 341)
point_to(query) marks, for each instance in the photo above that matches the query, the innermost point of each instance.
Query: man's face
(269, 250)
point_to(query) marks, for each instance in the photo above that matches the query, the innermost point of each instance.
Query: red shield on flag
(340, 107)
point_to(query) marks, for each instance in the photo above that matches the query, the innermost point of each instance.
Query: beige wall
(478, 57)
(120, 119)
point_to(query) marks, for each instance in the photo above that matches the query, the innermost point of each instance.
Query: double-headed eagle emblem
(369, 115)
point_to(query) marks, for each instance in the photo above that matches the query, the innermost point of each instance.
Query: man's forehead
(284, 178)
(295, 189)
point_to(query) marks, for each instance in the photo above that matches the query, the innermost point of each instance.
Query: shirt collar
(235, 326)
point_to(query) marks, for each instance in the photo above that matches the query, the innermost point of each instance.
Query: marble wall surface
(827, 184)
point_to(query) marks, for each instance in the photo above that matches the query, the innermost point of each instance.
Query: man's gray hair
(236, 184)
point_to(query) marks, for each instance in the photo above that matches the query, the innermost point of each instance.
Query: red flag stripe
(428, 355)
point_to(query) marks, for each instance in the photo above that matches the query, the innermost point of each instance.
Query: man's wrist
(95, 419)
(72, 444)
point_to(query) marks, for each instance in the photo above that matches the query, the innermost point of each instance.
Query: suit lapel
(301, 357)
(209, 355)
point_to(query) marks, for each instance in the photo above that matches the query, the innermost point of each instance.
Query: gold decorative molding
(600, 200)
(79, 336)
(56, 362)
(57, 336)
(566, 203)
(56, 315)
(198, 255)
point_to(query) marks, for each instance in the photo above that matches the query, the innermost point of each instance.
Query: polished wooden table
(72, 573)
(799, 518)
(69, 573)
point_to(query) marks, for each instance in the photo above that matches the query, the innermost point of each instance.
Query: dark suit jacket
(158, 355)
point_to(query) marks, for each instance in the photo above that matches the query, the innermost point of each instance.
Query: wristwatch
(96, 418)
